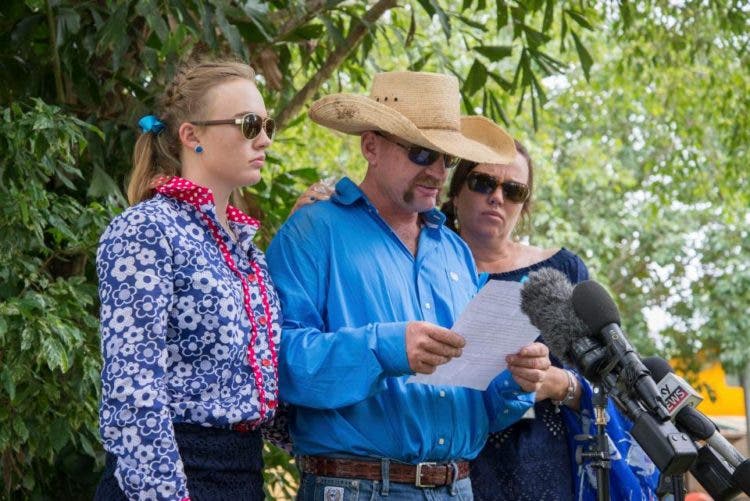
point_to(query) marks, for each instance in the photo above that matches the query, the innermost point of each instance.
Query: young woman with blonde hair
(189, 317)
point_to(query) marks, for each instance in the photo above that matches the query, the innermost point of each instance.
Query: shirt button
(427, 306)
(441, 441)
(442, 393)
(454, 276)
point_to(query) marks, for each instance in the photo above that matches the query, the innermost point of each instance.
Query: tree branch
(55, 55)
(335, 60)
(310, 10)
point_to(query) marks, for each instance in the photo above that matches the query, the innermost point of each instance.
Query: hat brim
(487, 132)
(354, 114)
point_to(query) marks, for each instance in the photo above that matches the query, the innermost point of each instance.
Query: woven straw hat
(421, 108)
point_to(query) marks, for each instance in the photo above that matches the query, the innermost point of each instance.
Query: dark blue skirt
(219, 465)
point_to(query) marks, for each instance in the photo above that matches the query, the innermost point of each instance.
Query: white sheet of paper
(494, 326)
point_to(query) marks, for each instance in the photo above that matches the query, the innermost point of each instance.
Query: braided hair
(184, 99)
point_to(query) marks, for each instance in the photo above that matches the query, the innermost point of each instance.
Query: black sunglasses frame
(486, 184)
(246, 126)
(419, 155)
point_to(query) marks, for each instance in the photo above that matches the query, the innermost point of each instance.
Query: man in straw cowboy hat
(370, 281)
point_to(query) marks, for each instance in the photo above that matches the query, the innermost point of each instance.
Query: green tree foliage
(49, 362)
(648, 174)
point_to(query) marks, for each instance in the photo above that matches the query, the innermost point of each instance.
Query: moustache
(428, 181)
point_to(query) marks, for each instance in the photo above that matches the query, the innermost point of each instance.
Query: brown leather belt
(421, 475)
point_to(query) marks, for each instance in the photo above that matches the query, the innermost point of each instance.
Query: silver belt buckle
(418, 481)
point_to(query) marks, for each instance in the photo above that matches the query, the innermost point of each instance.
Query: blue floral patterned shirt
(189, 323)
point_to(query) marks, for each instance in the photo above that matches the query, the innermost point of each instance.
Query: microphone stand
(598, 453)
(678, 487)
(671, 484)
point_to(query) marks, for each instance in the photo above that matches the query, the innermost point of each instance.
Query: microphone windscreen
(741, 476)
(545, 299)
(593, 304)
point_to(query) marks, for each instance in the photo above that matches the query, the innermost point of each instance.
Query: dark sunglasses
(250, 124)
(485, 184)
(423, 156)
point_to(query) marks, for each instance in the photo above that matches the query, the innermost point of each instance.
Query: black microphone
(724, 482)
(692, 421)
(546, 300)
(593, 304)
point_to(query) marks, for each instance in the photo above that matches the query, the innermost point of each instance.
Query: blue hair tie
(150, 123)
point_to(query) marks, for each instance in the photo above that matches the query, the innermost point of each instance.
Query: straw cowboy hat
(421, 108)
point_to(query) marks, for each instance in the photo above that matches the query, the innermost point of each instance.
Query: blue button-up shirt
(348, 287)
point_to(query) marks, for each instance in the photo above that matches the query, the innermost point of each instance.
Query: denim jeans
(316, 488)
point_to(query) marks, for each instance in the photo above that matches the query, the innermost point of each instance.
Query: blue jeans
(315, 488)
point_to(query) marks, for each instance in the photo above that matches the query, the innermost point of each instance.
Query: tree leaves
(48, 327)
(432, 7)
(583, 55)
(475, 79)
(495, 52)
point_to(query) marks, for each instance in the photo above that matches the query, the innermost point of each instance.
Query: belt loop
(385, 475)
(454, 468)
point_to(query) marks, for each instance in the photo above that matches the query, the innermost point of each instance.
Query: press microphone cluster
(581, 326)
(720, 468)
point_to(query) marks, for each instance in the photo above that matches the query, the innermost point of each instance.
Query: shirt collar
(203, 199)
(348, 193)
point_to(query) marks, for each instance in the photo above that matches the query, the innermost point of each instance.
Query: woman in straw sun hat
(370, 282)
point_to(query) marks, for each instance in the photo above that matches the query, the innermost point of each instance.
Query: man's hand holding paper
(498, 335)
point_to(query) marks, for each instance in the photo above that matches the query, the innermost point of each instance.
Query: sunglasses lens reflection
(270, 128)
(252, 125)
(422, 156)
(486, 184)
(481, 183)
(515, 192)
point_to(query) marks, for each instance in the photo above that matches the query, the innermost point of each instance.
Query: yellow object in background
(729, 398)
